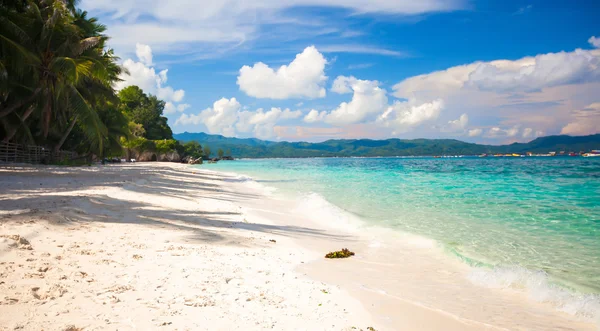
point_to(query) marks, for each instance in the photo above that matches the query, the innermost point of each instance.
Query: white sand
(165, 246)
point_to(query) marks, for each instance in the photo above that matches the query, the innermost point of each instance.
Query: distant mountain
(256, 148)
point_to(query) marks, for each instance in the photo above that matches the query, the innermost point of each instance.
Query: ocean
(520, 222)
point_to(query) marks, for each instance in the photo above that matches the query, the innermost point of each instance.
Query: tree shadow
(57, 201)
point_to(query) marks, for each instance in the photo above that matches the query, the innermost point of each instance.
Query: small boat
(593, 153)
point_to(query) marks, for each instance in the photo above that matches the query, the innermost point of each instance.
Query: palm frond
(88, 120)
(88, 43)
(9, 26)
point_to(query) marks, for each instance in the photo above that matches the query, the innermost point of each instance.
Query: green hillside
(256, 148)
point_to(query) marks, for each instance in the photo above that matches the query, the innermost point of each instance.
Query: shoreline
(205, 239)
(378, 246)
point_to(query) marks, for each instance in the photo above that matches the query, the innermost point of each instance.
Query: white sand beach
(171, 247)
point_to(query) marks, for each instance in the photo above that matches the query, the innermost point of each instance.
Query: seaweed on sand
(344, 253)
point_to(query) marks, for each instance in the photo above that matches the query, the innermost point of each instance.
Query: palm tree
(54, 74)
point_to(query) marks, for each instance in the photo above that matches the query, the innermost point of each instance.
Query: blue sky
(480, 71)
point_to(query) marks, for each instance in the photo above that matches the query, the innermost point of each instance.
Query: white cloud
(524, 75)
(459, 124)
(497, 132)
(144, 53)
(145, 77)
(227, 117)
(262, 123)
(218, 119)
(594, 41)
(402, 116)
(289, 114)
(538, 92)
(527, 132)
(361, 49)
(171, 108)
(315, 116)
(512, 132)
(304, 77)
(222, 116)
(165, 24)
(475, 132)
(584, 121)
(369, 105)
(534, 74)
(367, 101)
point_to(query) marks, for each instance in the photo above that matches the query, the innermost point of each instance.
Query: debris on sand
(344, 253)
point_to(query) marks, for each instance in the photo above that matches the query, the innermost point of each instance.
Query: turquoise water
(542, 214)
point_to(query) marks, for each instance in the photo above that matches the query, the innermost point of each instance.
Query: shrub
(165, 145)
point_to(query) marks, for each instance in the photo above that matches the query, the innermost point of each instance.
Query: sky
(490, 71)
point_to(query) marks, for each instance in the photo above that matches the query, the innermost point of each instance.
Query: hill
(256, 148)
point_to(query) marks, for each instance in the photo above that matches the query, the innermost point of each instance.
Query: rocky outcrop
(149, 156)
(172, 156)
(144, 156)
(195, 161)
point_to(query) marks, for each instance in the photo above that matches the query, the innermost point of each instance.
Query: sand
(171, 247)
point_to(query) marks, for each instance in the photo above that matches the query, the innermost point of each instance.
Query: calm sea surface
(538, 214)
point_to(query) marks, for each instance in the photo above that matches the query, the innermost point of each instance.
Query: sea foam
(316, 207)
(539, 288)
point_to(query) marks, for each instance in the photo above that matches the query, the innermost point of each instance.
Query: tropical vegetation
(57, 86)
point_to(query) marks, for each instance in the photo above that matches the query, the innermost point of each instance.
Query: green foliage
(206, 151)
(220, 153)
(140, 144)
(146, 111)
(56, 78)
(192, 149)
(136, 129)
(165, 145)
(344, 253)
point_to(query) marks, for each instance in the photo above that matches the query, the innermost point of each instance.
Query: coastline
(433, 289)
(172, 246)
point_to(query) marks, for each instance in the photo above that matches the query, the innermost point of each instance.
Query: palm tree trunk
(64, 137)
(14, 130)
(6, 111)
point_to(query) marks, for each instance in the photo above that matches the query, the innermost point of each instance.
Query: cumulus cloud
(584, 121)
(228, 118)
(145, 76)
(367, 101)
(262, 123)
(404, 115)
(369, 105)
(171, 108)
(527, 132)
(304, 77)
(315, 116)
(475, 132)
(459, 124)
(536, 92)
(594, 41)
(512, 132)
(524, 75)
(534, 74)
(144, 53)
